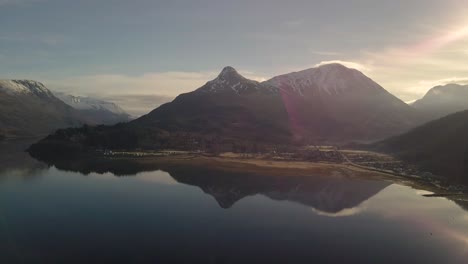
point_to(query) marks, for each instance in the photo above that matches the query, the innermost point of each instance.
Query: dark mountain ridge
(440, 146)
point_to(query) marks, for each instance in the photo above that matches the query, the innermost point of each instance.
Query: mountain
(28, 108)
(95, 111)
(330, 103)
(443, 100)
(230, 105)
(440, 146)
(333, 102)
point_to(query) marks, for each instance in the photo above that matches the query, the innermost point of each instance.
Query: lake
(204, 215)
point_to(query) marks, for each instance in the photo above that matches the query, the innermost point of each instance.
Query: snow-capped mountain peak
(327, 80)
(229, 80)
(228, 72)
(25, 87)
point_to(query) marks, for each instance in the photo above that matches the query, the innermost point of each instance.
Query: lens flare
(437, 42)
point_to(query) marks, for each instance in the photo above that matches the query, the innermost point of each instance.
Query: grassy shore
(259, 165)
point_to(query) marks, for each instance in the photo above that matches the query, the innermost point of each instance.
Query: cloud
(436, 57)
(350, 64)
(343, 213)
(445, 81)
(421, 87)
(136, 104)
(161, 83)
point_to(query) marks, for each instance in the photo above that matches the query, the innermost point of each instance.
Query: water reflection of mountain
(329, 194)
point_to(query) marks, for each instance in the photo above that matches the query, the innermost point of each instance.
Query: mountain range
(29, 109)
(328, 103)
(95, 111)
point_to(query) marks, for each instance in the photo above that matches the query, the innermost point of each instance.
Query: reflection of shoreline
(116, 166)
(124, 166)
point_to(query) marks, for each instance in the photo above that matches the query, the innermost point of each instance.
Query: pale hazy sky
(124, 49)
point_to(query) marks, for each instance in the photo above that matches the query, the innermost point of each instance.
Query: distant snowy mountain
(95, 111)
(28, 108)
(88, 103)
(443, 100)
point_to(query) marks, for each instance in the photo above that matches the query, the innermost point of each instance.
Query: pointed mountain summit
(230, 106)
(229, 72)
(230, 81)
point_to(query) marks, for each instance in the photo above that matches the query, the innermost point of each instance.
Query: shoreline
(287, 168)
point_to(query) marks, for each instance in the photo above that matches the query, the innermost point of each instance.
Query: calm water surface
(50, 215)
